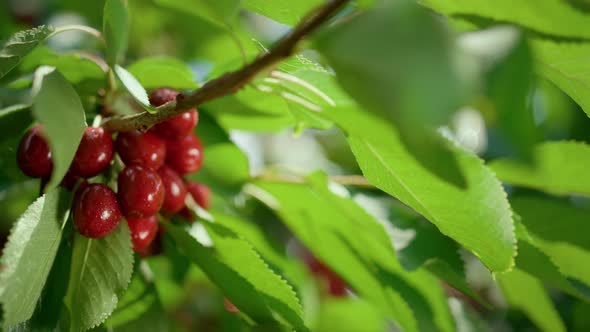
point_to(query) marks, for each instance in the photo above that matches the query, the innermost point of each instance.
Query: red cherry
(161, 96)
(156, 247)
(33, 155)
(96, 211)
(69, 181)
(201, 194)
(185, 155)
(175, 190)
(141, 148)
(140, 191)
(178, 126)
(94, 153)
(143, 232)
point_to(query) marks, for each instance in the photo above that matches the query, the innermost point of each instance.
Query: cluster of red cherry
(150, 183)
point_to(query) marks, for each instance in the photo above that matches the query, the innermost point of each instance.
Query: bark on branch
(231, 82)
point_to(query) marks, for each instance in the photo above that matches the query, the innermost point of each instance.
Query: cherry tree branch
(231, 82)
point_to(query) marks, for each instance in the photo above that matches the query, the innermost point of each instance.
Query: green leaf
(526, 293)
(59, 109)
(157, 72)
(283, 11)
(560, 168)
(29, 254)
(138, 299)
(515, 114)
(86, 75)
(218, 12)
(135, 89)
(559, 19)
(482, 222)
(344, 236)
(393, 81)
(349, 315)
(565, 65)
(13, 121)
(19, 45)
(238, 281)
(115, 27)
(563, 242)
(101, 271)
(227, 163)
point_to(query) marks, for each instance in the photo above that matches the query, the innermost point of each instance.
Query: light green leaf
(101, 271)
(134, 87)
(482, 222)
(558, 19)
(241, 287)
(29, 254)
(392, 81)
(234, 172)
(218, 12)
(526, 293)
(157, 72)
(283, 11)
(58, 107)
(19, 45)
(115, 29)
(349, 315)
(560, 168)
(509, 85)
(565, 65)
(345, 237)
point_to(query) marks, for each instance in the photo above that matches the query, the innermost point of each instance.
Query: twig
(346, 180)
(233, 81)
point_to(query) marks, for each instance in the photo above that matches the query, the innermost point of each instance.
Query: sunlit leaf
(19, 45)
(159, 72)
(115, 29)
(135, 88)
(29, 255)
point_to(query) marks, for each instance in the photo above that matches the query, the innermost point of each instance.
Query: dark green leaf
(526, 293)
(19, 45)
(58, 108)
(414, 87)
(29, 254)
(134, 87)
(13, 121)
(137, 300)
(242, 276)
(560, 168)
(116, 30)
(481, 222)
(283, 11)
(157, 72)
(509, 85)
(100, 272)
(559, 19)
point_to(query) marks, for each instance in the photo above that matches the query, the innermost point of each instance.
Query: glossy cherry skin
(140, 191)
(145, 149)
(33, 155)
(96, 212)
(176, 127)
(200, 193)
(185, 155)
(143, 232)
(174, 188)
(94, 153)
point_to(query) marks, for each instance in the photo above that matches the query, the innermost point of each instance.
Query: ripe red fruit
(174, 188)
(33, 155)
(178, 126)
(185, 155)
(96, 211)
(140, 191)
(201, 194)
(143, 232)
(94, 153)
(145, 149)
(230, 307)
